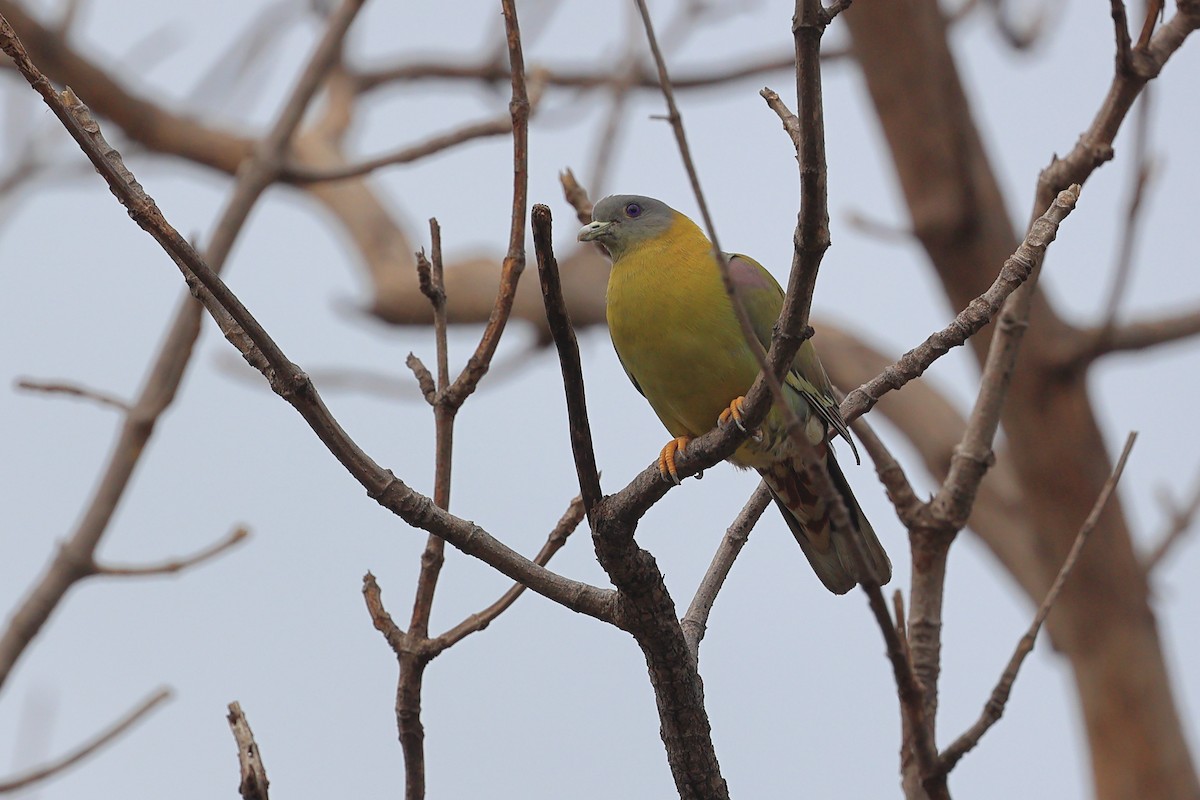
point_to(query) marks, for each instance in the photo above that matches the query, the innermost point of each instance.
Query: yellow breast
(675, 331)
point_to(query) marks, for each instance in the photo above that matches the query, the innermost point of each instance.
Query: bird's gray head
(621, 221)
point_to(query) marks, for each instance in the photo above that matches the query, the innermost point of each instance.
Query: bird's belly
(688, 374)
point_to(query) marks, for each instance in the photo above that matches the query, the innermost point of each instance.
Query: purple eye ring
(633, 210)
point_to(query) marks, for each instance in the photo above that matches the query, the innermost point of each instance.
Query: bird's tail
(831, 551)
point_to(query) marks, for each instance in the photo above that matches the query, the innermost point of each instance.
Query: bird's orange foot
(735, 414)
(732, 414)
(666, 459)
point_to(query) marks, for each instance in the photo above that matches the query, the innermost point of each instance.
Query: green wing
(762, 297)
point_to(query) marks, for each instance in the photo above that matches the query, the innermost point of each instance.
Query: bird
(677, 336)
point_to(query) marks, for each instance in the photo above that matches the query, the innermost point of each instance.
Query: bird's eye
(633, 210)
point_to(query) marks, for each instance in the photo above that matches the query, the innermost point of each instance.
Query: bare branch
(1124, 44)
(1142, 175)
(791, 124)
(918, 733)
(835, 8)
(1140, 335)
(303, 173)
(396, 638)
(974, 455)
(1094, 147)
(253, 784)
(695, 621)
(1016, 270)
(1181, 522)
(1154, 11)
(437, 296)
(59, 765)
(994, 707)
(413, 660)
(568, 356)
(74, 390)
(477, 622)
(890, 473)
(577, 196)
(423, 376)
(514, 260)
(495, 72)
(235, 537)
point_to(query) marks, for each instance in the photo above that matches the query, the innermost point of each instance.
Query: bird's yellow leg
(732, 414)
(666, 458)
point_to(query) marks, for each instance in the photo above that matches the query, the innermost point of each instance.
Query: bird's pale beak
(593, 231)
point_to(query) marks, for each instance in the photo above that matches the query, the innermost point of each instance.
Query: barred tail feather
(830, 551)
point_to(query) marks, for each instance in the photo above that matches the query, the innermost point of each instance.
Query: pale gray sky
(544, 704)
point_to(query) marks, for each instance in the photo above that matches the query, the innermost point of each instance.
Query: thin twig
(393, 634)
(994, 707)
(253, 784)
(74, 390)
(437, 296)
(901, 622)
(59, 765)
(577, 196)
(1181, 521)
(413, 659)
(408, 647)
(479, 621)
(835, 8)
(235, 537)
(1121, 28)
(514, 260)
(1015, 271)
(889, 471)
(695, 620)
(1095, 145)
(493, 72)
(421, 372)
(918, 732)
(1139, 335)
(974, 454)
(302, 173)
(1154, 11)
(1143, 172)
(791, 123)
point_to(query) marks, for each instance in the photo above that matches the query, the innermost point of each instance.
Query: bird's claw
(735, 414)
(666, 458)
